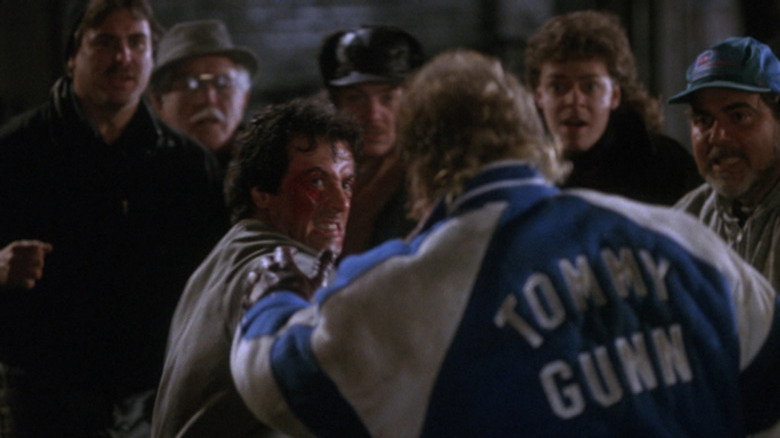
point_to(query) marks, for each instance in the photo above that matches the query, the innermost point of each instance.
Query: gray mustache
(208, 113)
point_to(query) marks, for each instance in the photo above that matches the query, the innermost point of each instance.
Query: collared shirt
(755, 240)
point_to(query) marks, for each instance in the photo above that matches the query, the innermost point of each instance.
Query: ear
(247, 95)
(156, 101)
(69, 66)
(615, 102)
(261, 200)
(538, 97)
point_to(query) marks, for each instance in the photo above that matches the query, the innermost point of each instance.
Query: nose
(718, 133)
(338, 201)
(573, 96)
(123, 53)
(209, 91)
(375, 109)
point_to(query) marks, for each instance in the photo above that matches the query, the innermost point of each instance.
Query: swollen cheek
(314, 197)
(306, 196)
(303, 207)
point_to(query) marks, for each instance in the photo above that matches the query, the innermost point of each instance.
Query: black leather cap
(369, 54)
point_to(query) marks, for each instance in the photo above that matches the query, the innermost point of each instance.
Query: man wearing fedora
(201, 83)
(364, 70)
(734, 96)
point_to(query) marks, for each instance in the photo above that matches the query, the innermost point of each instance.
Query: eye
(352, 97)
(557, 88)
(741, 117)
(590, 86)
(190, 83)
(223, 82)
(387, 99)
(104, 41)
(317, 182)
(346, 185)
(138, 42)
(701, 120)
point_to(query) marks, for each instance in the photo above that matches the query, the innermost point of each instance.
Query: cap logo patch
(704, 58)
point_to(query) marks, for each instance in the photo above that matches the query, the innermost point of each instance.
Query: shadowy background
(666, 36)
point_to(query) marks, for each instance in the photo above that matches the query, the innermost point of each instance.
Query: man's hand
(278, 271)
(21, 263)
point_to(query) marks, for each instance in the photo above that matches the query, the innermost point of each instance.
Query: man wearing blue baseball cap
(734, 96)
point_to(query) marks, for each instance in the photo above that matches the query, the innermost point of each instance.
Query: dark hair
(84, 15)
(586, 35)
(261, 158)
(772, 100)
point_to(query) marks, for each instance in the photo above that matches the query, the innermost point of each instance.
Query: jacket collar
(770, 203)
(74, 123)
(509, 180)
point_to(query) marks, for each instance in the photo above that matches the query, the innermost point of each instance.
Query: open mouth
(328, 227)
(726, 162)
(574, 123)
(207, 120)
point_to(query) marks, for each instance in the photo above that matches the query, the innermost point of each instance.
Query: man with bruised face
(734, 96)
(289, 185)
(517, 308)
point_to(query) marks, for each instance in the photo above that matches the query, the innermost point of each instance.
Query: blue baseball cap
(740, 63)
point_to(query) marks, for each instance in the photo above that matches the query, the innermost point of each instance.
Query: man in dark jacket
(129, 207)
(587, 88)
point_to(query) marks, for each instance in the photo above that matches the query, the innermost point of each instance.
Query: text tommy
(601, 383)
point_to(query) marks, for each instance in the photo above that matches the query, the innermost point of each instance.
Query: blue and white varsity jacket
(523, 311)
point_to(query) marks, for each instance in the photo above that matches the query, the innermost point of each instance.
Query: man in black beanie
(130, 208)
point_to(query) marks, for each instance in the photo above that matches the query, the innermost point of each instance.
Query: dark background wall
(666, 36)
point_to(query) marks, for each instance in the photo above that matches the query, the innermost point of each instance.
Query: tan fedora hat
(200, 38)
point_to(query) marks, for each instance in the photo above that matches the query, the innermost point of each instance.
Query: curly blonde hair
(586, 35)
(460, 112)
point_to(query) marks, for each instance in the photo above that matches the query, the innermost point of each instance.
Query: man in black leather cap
(363, 70)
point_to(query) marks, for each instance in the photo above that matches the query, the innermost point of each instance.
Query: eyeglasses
(223, 82)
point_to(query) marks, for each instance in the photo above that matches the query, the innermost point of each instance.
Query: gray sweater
(196, 397)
